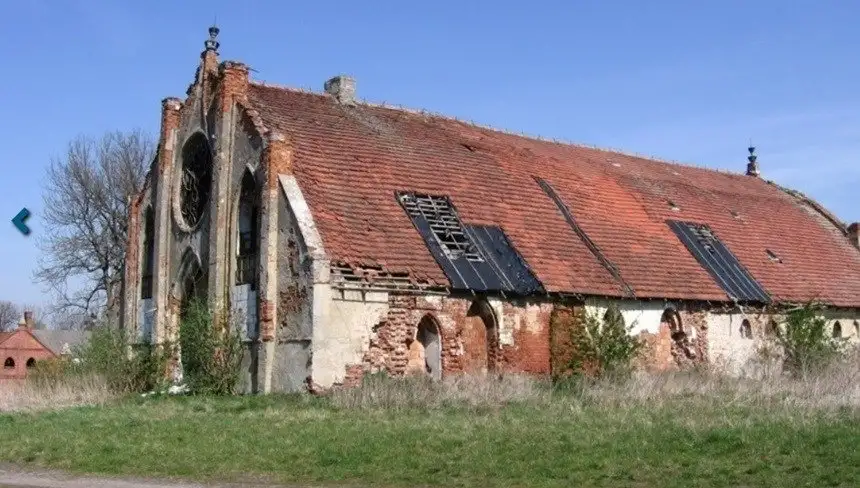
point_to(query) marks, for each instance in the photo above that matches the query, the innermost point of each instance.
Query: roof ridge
(815, 204)
(533, 137)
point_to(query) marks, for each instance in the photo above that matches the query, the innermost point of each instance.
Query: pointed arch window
(148, 256)
(837, 330)
(247, 248)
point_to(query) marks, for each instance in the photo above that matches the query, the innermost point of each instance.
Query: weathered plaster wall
(670, 343)
(308, 339)
(731, 350)
(292, 361)
(849, 322)
(641, 316)
(343, 337)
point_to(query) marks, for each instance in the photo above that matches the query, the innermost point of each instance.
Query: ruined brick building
(349, 237)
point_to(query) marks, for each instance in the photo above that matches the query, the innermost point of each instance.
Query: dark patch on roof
(719, 261)
(478, 258)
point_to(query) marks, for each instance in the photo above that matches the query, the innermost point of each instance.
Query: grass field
(670, 430)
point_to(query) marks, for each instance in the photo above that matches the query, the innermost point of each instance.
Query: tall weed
(211, 353)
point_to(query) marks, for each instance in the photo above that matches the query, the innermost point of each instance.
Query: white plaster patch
(506, 332)
(639, 315)
(342, 331)
(728, 349)
(243, 308)
(434, 300)
(849, 322)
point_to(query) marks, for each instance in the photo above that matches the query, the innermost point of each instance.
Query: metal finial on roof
(212, 44)
(752, 166)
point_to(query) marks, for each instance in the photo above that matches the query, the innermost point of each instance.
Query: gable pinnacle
(212, 44)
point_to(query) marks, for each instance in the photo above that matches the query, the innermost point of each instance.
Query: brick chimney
(342, 88)
(752, 165)
(27, 321)
(854, 234)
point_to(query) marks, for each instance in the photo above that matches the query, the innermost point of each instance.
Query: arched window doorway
(31, 362)
(247, 227)
(837, 330)
(191, 286)
(148, 255)
(746, 329)
(480, 339)
(613, 316)
(429, 339)
(682, 341)
(9, 363)
(772, 329)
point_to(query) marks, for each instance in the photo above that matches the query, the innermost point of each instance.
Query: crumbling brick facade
(477, 336)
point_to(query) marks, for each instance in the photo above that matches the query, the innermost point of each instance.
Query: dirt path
(14, 477)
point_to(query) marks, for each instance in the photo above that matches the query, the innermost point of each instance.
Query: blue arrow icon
(19, 221)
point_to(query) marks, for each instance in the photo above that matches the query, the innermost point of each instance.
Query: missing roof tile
(772, 256)
(673, 206)
(444, 224)
(736, 214)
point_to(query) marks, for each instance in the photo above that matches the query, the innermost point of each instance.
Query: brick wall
(469, 333)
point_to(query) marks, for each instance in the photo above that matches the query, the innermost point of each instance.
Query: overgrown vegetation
(109, 356)
(595, 346)
(805, 343)
(211, 357)
(211, 353)
(681, 429)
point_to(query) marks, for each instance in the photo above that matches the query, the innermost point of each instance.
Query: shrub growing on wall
(585, 344)
(806, 343)
(211, 353)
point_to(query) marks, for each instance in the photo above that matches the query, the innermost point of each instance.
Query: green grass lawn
(679, 442)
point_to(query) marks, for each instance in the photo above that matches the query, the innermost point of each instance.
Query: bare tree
(10, 314)
(86, 199)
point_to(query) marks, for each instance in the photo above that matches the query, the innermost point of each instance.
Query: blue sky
(680, 80)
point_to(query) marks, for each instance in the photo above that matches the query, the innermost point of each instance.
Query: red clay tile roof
(350, 161)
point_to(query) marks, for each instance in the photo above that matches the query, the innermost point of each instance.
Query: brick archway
(480, 339)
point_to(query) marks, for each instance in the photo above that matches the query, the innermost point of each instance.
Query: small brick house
(346, 237)
(21, 348)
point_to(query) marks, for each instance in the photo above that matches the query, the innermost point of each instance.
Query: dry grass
(380, 392)
(35, 395)
(838, 388)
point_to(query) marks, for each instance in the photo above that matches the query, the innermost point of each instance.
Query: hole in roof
(444, 224)
(469, 147)
(736, 215)
(673, 206)
(772, 256)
